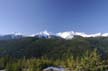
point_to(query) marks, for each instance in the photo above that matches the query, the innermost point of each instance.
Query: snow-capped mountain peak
(71, 34)
(68, 35)
(44, 33)
(105, 34)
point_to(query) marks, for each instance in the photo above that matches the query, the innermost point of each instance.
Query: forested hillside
(54, 51)
(53, 47)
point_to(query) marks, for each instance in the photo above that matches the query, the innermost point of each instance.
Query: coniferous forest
(35, 54)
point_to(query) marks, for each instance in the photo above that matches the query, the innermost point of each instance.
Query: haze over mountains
(46, 34)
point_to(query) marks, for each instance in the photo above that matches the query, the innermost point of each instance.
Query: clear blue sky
(32, 16)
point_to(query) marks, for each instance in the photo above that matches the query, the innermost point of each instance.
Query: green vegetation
(35, 54)
(90, 61)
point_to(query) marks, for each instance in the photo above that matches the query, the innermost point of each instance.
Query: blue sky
(32, 16)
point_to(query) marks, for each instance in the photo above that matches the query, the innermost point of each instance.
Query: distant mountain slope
(52, 47)
(10, 36)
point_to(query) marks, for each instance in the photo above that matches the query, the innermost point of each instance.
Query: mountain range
(52, 45)
(45, 34)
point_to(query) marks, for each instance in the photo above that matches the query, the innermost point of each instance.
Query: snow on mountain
(66, 35)
(46, 34)
(88, 35)
(43, 34)
(10, 36)
(105, 35)
(71, 34)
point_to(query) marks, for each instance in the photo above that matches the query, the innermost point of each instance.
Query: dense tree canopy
(35, 54)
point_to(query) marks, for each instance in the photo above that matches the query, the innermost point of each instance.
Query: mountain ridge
(46, 34)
